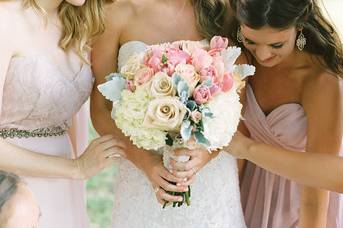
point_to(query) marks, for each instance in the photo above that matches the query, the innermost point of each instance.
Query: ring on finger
(157, 189)
(113, 156)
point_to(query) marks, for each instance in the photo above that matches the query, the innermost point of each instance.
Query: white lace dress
(215, 198)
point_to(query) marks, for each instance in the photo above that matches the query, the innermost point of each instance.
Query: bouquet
(174, 94)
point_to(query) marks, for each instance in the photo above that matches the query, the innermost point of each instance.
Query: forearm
(316, 170)
(27, 163)
(313, 208)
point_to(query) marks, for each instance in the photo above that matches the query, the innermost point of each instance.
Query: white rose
(165, 113)
(162, 85)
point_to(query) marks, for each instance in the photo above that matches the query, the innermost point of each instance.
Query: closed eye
(276, 46)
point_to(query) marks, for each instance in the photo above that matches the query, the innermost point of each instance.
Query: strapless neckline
(279, 108)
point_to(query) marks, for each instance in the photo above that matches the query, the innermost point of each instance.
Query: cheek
(76, 2)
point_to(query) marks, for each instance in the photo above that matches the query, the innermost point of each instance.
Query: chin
(270, 63)
(76, 2)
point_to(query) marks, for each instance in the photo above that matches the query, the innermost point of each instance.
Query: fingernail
(180, 199)
(185, 179)
(178, 184)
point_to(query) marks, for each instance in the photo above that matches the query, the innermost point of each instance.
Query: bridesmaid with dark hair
(293, 105)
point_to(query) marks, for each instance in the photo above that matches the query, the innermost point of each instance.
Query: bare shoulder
(323, 83)
(322, 95)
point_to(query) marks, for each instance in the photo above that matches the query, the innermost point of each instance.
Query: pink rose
(209, 73)
(202, 94)
(201, 59)
(188, 73)
(215, 89)
(227, 82)
(219, 43)
(143, 75)
(196, 116)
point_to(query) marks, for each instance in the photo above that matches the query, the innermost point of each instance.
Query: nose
(263, 53)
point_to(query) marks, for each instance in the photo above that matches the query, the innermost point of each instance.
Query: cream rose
(162, 86)
(165, 113)
(188, 73)
(132, 66)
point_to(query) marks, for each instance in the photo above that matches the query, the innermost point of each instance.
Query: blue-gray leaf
(201, 139)
(186, 130)
(208, 82)
(112, 89)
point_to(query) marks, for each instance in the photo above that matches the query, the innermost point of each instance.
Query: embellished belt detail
(40, 132)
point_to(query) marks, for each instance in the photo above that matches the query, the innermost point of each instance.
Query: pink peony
(201, 59)
(202, 94)
(153, 59)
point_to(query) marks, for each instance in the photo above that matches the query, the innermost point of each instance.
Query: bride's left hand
(198, 159)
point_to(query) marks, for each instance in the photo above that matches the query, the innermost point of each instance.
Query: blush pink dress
(271, 201)
(36, 95)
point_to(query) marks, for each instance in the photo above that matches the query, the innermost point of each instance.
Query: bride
(131, 26)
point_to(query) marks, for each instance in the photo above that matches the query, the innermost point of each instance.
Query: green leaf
(164, 59)
(169, 140)
(191, 105)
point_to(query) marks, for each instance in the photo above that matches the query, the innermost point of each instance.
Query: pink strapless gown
(37, 94)
(271, 201)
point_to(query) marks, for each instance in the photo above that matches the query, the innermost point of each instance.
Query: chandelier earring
(239, 35)
(301, 41)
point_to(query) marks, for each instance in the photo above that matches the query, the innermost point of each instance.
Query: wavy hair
(323, 40)
(211, 16)
(80, 24)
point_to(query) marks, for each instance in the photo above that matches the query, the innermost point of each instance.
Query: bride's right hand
(161, 180)
(100, 153)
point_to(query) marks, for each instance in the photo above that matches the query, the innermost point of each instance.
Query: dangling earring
(239, 35)
(301, 41)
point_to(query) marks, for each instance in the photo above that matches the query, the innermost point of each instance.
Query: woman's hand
(239, 146)
(186, 170)
(101, 152)
(162, 180)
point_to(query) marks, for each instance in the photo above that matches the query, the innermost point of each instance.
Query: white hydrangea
(129, 116)
(226, 109)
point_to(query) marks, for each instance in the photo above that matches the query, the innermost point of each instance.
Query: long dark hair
(211, 16)
(322, 39)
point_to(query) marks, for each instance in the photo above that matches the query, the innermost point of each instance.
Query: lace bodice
(37, 94)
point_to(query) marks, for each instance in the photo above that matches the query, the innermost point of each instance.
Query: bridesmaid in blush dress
(293, 105)
(45, 78)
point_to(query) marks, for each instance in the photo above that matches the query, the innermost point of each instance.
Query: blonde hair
(211, 16)
(80, 24)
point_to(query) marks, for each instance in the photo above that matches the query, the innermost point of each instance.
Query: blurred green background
(100, 187)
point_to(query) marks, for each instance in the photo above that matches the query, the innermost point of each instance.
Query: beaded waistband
(40, 132)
